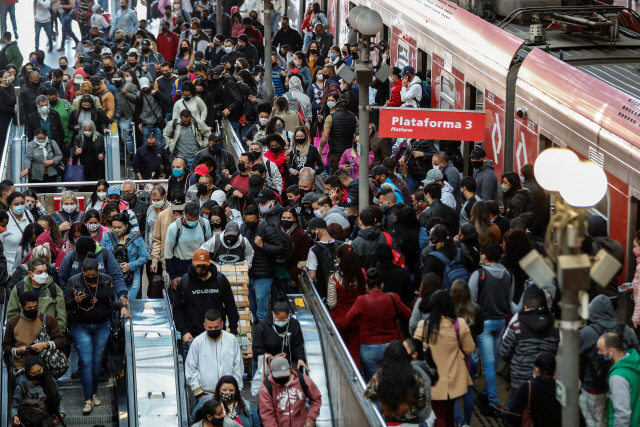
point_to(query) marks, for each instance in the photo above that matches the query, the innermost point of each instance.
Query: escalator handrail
(132, 407)
(227, 130)
(320, 313)
(183, 404)
(4, 373)
(5, 152)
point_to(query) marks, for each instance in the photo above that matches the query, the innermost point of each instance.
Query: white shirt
(412, 94)
(11, 238)
(41, 12)
(99, 21)
(312, 260)
(208, 361)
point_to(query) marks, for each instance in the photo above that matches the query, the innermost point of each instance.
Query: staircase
(73, 401)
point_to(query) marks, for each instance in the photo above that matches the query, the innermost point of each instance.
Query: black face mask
(217, 421)
(151, 147)
(215, 334)
(54, 103)
(202, 272)
(91, 279)
(216, 224)
(38, 377)
(86, 108)
(274, 64)
(230, 242)
(165, 30)
(184, 49)
(30, 314)
(127, 197)
(132, 65)
(123, 6)
(35, 84)
(119, 40)
(168, 15)
(146, 50)
(242, 167)
(108, 69)
(203, 188)
(281, 381)
(276, 150)
(252, 225)
(477, 164)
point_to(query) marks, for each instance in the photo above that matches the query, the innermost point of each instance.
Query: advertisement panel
(418, 123)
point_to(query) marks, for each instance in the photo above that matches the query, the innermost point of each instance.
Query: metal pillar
(268, 78)
(218, 17)
(364, 77)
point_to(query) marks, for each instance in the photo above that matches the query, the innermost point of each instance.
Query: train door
(474, 101)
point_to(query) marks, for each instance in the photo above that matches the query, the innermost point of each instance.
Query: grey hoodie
(421, 367)
(486, 182)
(602, 319)
(337, 215)
(496, 296)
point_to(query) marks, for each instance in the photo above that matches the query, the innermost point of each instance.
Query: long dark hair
(396, 381)
(48, 384)
(350, 267)
(440, 234)
(54, 230)
(431, 283)
(218, 211)
(407, 234)
(94, 195)
(29, 231)
(209, 408)
(229, 379)
(441, 305)
(415, 346)
(247, 79)
(514, 184)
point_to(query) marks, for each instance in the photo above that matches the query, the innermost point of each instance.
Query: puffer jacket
(391, 217)
(172, 134)
(108, 101)
(263, 257)
(343, 126)
(516, 203)
(366, 243)
(531, 334)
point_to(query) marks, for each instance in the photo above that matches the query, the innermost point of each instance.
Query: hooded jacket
(172, 133)
(273, 217)
(337, 215)
(486, 182)
(623, 403)
(194, 297)
(295, 88)
(57, 254)
(366, 243)
(601, 319)
(13, 54)
(598, 238)
(531, 334)
(265, 256)
(34, 156)
(237, 252)
(269, 339)
(492, 289)
(412, 94)
(286, 407)
(46, 304)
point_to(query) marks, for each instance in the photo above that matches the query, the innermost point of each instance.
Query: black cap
(98, 40)
(215, 136)
(84, 245)
(256, 182)
(478, 153)
(146, 43)
(198, 67)
(379, 170)
(86, 98)
(316, 223)
(182, 71)
(167, 23)
(118, 75)
(265, 195)
(217, 72)
(40, 53)
(257, 69)
(177, 199)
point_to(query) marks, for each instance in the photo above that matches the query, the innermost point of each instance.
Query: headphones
(186, 164)
(434, 239)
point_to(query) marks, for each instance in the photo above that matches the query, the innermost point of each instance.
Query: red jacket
(168, 46)
(57, 254)
(394, 100)
(254, 34)
(301, 244)
(286, 406)
(377, 315)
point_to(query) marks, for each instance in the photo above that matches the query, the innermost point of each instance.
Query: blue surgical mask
(333, 55)
(216, 147)
(19, 209)
(602, 358)
(522, 179)
(331, 104)
(178, 172)
(351, 219)
(192, 223)
(286, 224)
(279, 323)
(385, 208)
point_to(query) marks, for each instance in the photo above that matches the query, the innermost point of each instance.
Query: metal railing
(5, 150)
(346, 385)
(233, 143)
(80, 183)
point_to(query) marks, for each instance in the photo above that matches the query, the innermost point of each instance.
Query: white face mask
(257, 78)
(228, 49)
(159, 204)
(320, 77)
(41, 278)
(128, 79)
(69, 208)
(267, 208)
(101, 195)
(139, 40)
(88, 133)
(93, 227)
(264, 122)
(505, 188)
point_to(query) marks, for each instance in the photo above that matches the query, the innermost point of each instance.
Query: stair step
(73, 401)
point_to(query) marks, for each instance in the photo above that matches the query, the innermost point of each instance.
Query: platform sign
(423, 123)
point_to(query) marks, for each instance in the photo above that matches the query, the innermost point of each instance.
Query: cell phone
(625, 286)
(28, 347)
(80, 293)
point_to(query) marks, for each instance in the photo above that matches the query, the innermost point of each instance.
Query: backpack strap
(133, 239)
(25, 390)
(216, 246)
(59, 215)
(482, 278)
(442, 257)
(267, 384)
(395, 308)
(303, 383)
(114, 242)
(387, 237)
(178, 233)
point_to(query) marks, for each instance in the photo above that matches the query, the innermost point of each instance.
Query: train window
(424, 61)
(447, 91)
(474, 98)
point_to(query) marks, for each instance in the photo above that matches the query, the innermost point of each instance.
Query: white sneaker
(96, 401)
(88, 407)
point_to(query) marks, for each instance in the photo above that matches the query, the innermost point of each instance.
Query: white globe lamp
(369, 22)
(552, 166)
(584, 185)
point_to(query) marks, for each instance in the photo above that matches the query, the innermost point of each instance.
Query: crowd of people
(423, 282)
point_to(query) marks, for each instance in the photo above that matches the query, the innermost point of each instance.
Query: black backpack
(4, 61)
(425, 101)
(32, 412)
(52, 289)
(286, 257)
(121, 255)
(599, 370)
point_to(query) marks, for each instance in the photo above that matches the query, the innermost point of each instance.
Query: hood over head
(601, 312)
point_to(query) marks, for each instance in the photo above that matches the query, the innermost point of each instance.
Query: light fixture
(353, 14)
(584, 184)
(369, 22)
(551, 167)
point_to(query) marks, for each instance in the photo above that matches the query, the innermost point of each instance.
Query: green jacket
(64, 108)
(13, 54)
(46, 304)
(627, 401)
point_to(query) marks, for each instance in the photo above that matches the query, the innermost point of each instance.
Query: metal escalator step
(73, 401)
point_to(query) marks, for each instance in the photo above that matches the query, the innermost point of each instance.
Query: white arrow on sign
(522, 148)
(496, 144)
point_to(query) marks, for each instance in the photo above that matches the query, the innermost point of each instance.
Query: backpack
(305, 388)
(244, 90)
(4, 61)
(285, 258)
(32, 412)
(599, 370)
(52, 289)
(63, 219)
(121, 255)
(425, 101)
(398, 258)
(454, 270)
(179, 232)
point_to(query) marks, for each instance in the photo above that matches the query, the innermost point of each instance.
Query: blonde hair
(68, 195)
(43, 252)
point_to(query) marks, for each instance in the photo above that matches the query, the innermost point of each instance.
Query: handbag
(161, 122)
(396, 321)
(156, 285)
(74, 173)
(503, 369)
(116, 339)
(467, 357)
(527, 421)
(261, 373)
(55, 360)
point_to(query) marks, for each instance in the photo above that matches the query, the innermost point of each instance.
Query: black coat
(232, 98)
(263, 257)
(140, 209)
(391, 217)
(313, 160)
(447, 214)
(397, 280)
(93, 168)
(290, 37)
(421, 165)
(56, 129)
(267, 341)
(98, 116)
(516, 203)
(224, 160)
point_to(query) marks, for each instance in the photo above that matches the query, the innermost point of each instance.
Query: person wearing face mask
(19, 218)
(50, 296)
(167, 42)
(138, 202)
(229, 246)
(125, 20)
(302, 154)
(198, 38)
(269, 207)
(201, 289)
(189, 101)
(288, 36)
(149, 157)
(287, 273)
(225, 164)
(22, 330)
(40, 157)
(515, 198)
(274, 403)
(211, 414)
(232, 97)
(201, 191)
(258, 76)
(89, 150)
(234, 406)
(258, 131)
(152, 117)
(486, 181)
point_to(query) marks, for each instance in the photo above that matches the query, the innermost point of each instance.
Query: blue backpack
(425, 101)
(454, 270)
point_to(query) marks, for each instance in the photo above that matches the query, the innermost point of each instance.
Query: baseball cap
(255, 183)
(215, 136)
(95, 8)
(478, 153)
(265, 196)
(89, 69)
(144, 82)
(89, 42)
(105, 51)
(145, 43)
(257, 69)
(177, 200)
(201, 257)
(280, 367)
(308, 198)
(407, 70)
(316, 223)
(231, 229)
(433, 175)
(78, 78)
(101, 74)
(98, 41)
(182, 71)
(122, 33)
(217, 72)
(201, 170)
(113, 190)
(165, 23)
(378, 170)
(219, 197)
(198, 67)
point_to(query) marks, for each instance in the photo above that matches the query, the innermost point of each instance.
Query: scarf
(42, 145)
(292, 229)
(231, 411)
(278, 160)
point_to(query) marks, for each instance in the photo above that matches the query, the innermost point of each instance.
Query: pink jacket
(286, 407)
(635, 318)
(355, 166)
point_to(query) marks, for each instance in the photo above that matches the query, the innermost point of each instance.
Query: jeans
(275, 20)
(488, 343)
(66, 21)
(371, 358)
(90, 342)
(47, 30)
(124, 125)
(414, 182)
(307, 40)
(156, 131)
(467, 399)
(259, 293)
(11, 10)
